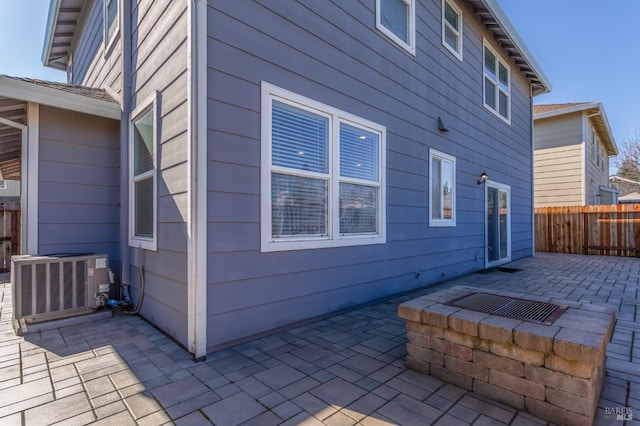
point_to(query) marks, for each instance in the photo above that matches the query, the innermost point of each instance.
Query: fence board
(610, 230)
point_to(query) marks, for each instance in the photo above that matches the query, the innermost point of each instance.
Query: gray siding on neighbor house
(91, 66)
(331, 52)
(159, 63)
(78, 184)
(597, 175)
(559, 161)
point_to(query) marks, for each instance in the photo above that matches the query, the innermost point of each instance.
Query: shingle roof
(90, 92)
(540, 109)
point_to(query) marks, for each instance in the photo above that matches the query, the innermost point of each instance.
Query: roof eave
(30, 92)
(563, 111)
(52, 20)
(495, 10)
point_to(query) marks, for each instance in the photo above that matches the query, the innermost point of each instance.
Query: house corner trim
(197, 251)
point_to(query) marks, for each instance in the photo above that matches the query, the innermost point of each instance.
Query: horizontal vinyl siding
(91, 66)
(558, 176)
(565, 130)
(78, 184)
(159, 63)
(332, 53)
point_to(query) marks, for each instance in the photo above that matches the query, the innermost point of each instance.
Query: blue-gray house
(281, 160)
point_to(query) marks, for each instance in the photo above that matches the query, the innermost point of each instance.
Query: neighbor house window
(442, 185)
(111, 23)
(396, 19)
(322, 175)
(452, 28)
(497, 85)
(143, 162)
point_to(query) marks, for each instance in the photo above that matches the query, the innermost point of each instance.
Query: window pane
(451, 38)
(143, 193)
(504, 78)
(503, 225)
(436, 189)
(490, 63)
(447, 189)
(143, 143)
(451, 16)
(358, 209)
(489, 93)
(359, 153)
(504, 105)
(112, 15)
(395, 16)
(298, 206)
(300, 139)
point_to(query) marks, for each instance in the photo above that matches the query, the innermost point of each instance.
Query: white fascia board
(564, 111)
(54, 10)
(605, 120)
(30, 92)
(498, 14)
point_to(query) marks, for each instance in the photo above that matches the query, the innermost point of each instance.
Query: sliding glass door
(498, 222)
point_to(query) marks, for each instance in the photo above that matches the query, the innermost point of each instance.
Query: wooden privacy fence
(609, 230)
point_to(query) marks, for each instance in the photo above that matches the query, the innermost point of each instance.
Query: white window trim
(457, 52)
(411, 45)
(442, 222)
(110, 42)
(268, 244)
(499, 60)
(150, 103)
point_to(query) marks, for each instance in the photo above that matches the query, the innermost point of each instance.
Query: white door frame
(507, 189)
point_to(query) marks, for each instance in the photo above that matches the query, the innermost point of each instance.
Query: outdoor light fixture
(441, 125)
(483, 178)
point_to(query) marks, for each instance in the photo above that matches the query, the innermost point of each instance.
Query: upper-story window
(497, 84)
(442, 184)
(397, 20)
(111, 23)
(452, 28)
(322, 175)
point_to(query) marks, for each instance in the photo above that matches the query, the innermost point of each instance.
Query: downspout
(197, 191)
(125, 37)
(533, 176)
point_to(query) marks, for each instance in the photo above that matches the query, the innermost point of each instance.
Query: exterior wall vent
(54, 287)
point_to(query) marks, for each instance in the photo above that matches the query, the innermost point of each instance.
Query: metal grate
(510, 307)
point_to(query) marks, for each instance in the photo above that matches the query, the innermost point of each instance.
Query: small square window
(497, 85)
(442, 185)
(143, 175)
(396, 19)
(452, 28)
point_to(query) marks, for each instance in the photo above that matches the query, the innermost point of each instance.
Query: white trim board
(30, 92)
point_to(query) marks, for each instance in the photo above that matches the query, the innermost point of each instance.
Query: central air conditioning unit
(58, 286)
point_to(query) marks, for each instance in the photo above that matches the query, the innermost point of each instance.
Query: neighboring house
(573, 143)
(628, 190)
(278, 161)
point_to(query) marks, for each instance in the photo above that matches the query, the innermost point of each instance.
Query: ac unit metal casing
(54, 287)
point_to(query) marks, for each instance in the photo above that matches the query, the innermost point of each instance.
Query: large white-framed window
(143, 172)
(397, 20)
(452, 28)
(497, 84)
(111, 23)
(322, 177)
(442, 187)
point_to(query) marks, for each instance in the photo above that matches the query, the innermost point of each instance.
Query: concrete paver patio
(343, 370)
